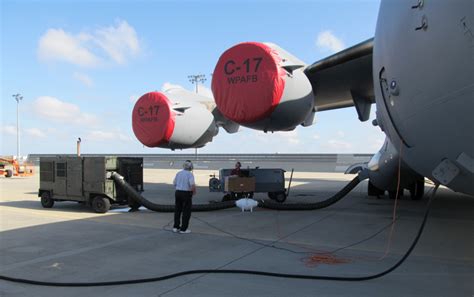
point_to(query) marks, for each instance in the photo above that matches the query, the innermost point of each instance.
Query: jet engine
(261, 86)
(173, 120)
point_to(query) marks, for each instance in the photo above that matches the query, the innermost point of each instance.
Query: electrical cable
(239, 271)
(272, 244)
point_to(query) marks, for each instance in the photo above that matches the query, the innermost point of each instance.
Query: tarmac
(354, 237)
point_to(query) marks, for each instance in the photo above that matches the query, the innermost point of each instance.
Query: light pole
(18, 98)
(196, 79)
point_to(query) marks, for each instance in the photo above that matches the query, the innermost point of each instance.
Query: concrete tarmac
(70, 243)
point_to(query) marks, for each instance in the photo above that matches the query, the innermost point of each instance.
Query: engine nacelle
(168, 120)
(261, 86)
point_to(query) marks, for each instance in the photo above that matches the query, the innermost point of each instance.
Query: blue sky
(80, 65)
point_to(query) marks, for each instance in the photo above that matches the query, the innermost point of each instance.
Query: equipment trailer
(88, 180)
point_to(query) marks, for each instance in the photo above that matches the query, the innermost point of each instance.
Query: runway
(351, 238)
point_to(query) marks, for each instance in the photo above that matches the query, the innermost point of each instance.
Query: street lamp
(196, 79)
(18, 98)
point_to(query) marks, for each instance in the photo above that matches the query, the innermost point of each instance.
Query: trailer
(253, 180)
(88, 180)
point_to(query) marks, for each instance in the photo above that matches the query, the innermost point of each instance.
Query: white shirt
(184, 180)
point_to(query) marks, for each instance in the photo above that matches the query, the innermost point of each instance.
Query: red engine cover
(153, 119)
(248, 82)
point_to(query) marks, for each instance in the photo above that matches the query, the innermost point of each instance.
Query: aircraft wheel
(393, 194)
(417, 190)
(373, 190)
(46, 200)
(100, 204)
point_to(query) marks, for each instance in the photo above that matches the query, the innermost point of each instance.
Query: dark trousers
(183, 203)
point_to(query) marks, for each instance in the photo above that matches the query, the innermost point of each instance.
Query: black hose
(269, 204)
(316, 205)
(240, 271)
(165, 207)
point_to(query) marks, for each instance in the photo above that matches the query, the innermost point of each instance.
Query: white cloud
(118, 42)
(35, 132)
(328, 41)
(86, 49)
(56, 44)
(339, 144)
(84, 78)
(341, 134)
(205, 91)
(202, 90)
(316, 136)
(167, 86)
(9, 129)
(53, 109)
(99, 135)
(280, 137)
(290, 136)
(376, 143)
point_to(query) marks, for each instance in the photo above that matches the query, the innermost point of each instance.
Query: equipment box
(239, 184)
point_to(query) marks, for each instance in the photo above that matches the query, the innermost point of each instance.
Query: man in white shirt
(185, 189)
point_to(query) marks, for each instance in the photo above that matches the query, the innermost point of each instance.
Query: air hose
(165, 207)
(316, 205)
(239, 271)
(269, 204)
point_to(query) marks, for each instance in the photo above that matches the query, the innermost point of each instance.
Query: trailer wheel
(9, 173)
(226, 197)
(46, 200)
(280, 197)
(100, 204)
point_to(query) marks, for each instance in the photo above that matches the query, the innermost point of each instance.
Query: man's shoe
(175, 230)
(185, 231)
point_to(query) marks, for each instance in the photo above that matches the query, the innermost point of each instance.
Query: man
(185, 189)
(236, 171)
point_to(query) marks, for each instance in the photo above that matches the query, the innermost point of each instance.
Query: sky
(81, 65)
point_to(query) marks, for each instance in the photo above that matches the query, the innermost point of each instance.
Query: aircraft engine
(159, 120)
(261, 86)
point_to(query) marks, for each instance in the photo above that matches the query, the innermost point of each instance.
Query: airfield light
(18, 98)
(196, 79)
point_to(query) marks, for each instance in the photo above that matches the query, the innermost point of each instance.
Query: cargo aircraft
(418, 70)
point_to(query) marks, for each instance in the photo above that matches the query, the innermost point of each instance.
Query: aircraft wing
(344, 79)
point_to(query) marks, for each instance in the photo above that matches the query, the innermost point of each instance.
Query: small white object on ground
(246, 204)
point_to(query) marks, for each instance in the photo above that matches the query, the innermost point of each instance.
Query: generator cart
(88, 180)
(254, 180)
